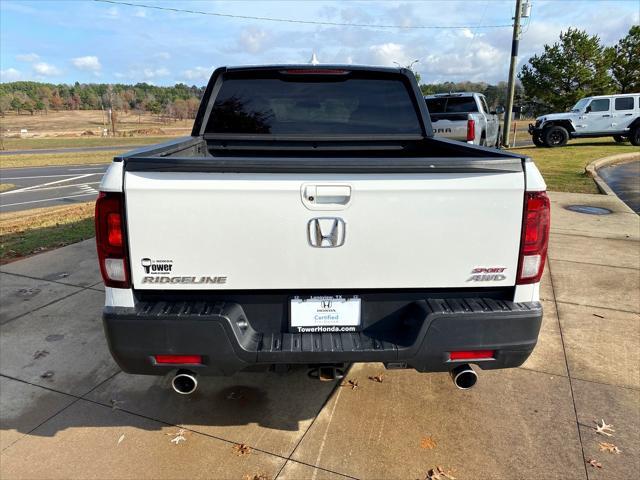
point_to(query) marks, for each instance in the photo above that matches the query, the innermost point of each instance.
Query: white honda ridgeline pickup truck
(312, 218)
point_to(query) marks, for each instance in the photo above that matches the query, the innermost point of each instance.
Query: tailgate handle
(328, 194)
(333, 194)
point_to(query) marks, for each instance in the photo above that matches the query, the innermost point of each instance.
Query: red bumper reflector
(178, 359)
(472, 355)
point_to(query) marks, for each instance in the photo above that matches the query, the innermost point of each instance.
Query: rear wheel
(635, 137)
(555, 136)
(619, 138)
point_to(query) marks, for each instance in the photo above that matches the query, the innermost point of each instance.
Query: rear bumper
(415, 334)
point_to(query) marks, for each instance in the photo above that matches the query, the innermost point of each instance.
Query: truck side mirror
(500, 110)
(588, 109)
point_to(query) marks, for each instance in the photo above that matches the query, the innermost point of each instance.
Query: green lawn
(563, 167)
(71, 142)
(32, 231)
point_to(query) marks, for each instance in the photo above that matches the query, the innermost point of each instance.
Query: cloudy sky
(88, 41)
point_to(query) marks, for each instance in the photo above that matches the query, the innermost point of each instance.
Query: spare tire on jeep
(555, 136)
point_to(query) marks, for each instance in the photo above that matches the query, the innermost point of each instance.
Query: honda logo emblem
(326, 232)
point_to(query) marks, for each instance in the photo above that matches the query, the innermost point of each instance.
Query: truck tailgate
(208, 230)
(452, 129)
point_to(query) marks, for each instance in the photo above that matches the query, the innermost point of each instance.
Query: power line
(306, 22)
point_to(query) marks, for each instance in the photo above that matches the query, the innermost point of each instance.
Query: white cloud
(150, 73)
(112, 13)
(198, 73)
(253, 40)
(140, 13)
(28, 57)
(10, 75)
(388, 54)
(89, 63)
(46, 69)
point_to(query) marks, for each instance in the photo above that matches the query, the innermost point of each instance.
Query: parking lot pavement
(37, 187)
(68, 412)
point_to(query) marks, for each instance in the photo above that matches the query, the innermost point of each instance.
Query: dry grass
(75, 122)
(46, 159)
(78, 142)
(6, 186)
(32, 231)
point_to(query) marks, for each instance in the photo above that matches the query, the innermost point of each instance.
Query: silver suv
(616, 116)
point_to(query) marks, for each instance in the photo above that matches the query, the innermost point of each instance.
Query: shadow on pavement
(220, 406)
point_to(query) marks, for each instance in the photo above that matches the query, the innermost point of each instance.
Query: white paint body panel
(535, 182)
(112, 178)
(402, 231)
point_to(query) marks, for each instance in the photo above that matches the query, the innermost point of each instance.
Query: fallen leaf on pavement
(178, 437)
(428, 443)
(594, 463)
(609, 447)
(604, 429)
(121, 439)
(40, 354)
(47, 374)
(242, 449)
(256, 476)
(377, 378)
(439, 473)
(350, 383)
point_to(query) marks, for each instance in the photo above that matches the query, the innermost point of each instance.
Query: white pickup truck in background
(312, 218)
(464, 116)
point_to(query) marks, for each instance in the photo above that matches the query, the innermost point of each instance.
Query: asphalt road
(624, 181)
(49, 186)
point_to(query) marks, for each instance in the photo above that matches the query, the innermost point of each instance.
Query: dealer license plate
(325, 314)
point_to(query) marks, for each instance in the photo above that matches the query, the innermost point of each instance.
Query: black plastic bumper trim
(224, 336)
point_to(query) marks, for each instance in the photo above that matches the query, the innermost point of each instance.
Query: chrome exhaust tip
(184, 382)
(463, 376)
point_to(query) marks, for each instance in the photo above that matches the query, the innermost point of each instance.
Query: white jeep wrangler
(602, 116)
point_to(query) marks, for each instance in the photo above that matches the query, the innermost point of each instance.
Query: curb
(592, 169)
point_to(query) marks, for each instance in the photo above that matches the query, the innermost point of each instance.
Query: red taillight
(112, 253)
(472, 355)
(535, 237)
(178, 359)
(471, 130)
(114, 229)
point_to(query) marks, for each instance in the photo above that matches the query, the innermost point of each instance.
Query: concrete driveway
(68, 412)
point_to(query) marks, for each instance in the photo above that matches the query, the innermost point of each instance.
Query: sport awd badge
(487, 274)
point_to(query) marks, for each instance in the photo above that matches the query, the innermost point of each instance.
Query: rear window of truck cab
(279, 103)
(464, 104)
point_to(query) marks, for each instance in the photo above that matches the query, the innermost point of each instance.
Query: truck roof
(306, 66)
(614, 95)
(452, 94)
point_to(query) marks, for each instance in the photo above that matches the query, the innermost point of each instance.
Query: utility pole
(512, 73)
